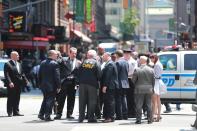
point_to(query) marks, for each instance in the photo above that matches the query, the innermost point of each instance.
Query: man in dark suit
(68, 68)
(49, 79)
(14, 80)
(121, 101)
(130, 91)
(109, 82)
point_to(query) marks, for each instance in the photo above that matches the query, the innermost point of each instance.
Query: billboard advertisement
(16, 21)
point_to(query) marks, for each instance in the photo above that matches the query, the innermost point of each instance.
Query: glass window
(2, 66)
(169, 61)
(190, 62)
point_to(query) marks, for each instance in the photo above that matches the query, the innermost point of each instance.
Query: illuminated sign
(80, 10)
(88, 11)
(16, 21)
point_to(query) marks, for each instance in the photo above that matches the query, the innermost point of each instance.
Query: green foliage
(130, 22)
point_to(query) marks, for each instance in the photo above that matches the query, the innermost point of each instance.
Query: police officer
(90, 73)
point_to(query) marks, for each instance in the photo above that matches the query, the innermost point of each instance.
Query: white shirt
(158, 69)
(132, 66)
(17, 66)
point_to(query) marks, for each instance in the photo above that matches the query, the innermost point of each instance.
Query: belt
(157, 77)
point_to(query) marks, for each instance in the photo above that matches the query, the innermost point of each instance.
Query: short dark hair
(119, 53)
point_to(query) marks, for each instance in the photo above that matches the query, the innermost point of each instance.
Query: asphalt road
(30, 104)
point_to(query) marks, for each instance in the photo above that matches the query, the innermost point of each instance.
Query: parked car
(3, 89)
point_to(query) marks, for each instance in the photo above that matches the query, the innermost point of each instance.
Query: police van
(179, 69)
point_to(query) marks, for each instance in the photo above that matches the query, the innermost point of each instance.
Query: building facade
(115, 10)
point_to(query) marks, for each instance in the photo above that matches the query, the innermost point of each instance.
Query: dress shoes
(92, 121)
(125, 118)
(70, 117)
(80, 120)
(108, 120)
(167, 111)
(49, 119)
(118, 118)
(138, 122)
(17, 114)
(9, 115)
(57, 117)
(41, 117)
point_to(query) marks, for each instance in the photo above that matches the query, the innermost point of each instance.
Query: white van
(179, 71)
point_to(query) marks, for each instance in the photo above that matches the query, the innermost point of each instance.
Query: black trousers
(100, 104)
(47, 104)
(109, 104)
(13, 100)
(68, 90)
(121, 104)
(131, 99)
(87, 97)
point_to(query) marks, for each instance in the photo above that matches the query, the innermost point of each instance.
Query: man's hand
(11, 85)
(104, 89)
(76, 87)
(58, 90)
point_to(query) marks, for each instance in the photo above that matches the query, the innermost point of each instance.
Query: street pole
(188, 8)
(59, 13)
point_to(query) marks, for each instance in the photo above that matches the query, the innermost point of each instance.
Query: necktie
(71, 64)
(17, 66)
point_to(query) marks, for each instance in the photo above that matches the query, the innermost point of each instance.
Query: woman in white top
(158, 69)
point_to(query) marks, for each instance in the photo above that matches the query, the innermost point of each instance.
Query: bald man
(49, 80)
(14, 80)
(144, 81)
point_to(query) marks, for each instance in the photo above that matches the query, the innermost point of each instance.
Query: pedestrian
(49, 79)
(68, 68)
(121, 100)
(143, 78)
(89, 77)
(15, 79)
(158, 69)
(109, 82)
(130, 92)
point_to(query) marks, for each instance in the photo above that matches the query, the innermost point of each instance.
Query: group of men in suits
(59, 78)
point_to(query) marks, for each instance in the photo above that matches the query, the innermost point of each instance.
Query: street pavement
(30, 105)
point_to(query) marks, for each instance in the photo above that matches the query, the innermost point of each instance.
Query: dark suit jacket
(123, 68)
(110, 75)
(66, 68)
(49, 76)
(12, 75)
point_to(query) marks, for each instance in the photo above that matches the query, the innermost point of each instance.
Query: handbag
(162, 86)
(195, 79)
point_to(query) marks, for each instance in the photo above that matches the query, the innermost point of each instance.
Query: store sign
(1, 9)
(80, 10)
(88, 10)
(16, 21)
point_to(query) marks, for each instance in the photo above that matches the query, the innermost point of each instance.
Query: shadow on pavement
(3, 116)
(36, 121)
